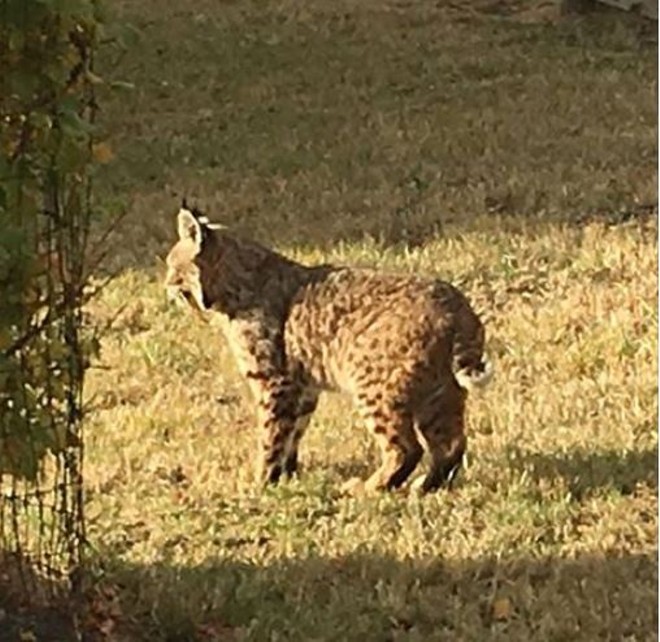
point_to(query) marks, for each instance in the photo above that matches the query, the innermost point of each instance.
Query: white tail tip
(474, 380)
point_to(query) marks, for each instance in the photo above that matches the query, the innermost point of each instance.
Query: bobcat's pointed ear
(189, 227)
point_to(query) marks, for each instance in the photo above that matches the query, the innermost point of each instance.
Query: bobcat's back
(354, 323)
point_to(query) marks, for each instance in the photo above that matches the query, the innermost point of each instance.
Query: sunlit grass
(561, 465)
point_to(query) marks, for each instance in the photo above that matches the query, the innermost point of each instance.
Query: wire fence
(47, 110)
(42, 532)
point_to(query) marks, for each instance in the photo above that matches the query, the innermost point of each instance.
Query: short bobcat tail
(475, 377)
(471, 367)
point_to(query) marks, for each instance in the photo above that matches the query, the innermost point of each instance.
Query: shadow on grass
(586, 472)
(33, 606)
(371, 597)
(35, 623)
(424, 118)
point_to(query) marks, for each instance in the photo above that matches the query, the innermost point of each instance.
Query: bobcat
(406, 349)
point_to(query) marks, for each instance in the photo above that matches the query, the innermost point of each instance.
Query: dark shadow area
(586, 472)
(32, 606)
(318, 124)
(368, 597)
(621, 10)
(583, 471)
(22, 623)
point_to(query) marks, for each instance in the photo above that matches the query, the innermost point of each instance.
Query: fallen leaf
(102, 153)
(502, 609)
(106, 627)
(217, 632)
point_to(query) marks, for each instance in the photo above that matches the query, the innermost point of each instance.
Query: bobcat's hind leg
(400, 450)
(443, 427)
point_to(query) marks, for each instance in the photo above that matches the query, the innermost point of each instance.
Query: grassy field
(502, 147)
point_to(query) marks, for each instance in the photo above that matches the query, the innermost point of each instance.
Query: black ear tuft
(194, 210)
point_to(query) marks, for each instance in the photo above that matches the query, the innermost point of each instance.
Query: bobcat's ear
(189, 227)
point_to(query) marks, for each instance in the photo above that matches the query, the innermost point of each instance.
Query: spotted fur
(404, 348)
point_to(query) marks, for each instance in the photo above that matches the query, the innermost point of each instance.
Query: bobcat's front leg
(277, 404)
(258, 345)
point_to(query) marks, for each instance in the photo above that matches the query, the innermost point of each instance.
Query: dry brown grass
(555, 512)
(339, 131)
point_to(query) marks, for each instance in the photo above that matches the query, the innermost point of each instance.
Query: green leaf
(73, 125)
(120, 84)
(126, 35)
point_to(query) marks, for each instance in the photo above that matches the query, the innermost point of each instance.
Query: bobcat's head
(184, 281)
